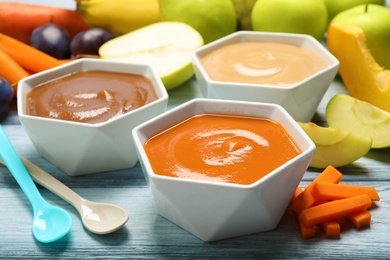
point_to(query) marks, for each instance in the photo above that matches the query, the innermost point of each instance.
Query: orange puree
(221, 148)
(90, 96)
(268, 63)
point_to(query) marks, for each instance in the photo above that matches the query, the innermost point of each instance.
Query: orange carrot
(331, 228)
(306, 232)
(331, 191)
(18, 20)
(306, 199)
(334, 209)
(10, 70)
(29, 58)
(360, 218)
(298, 191)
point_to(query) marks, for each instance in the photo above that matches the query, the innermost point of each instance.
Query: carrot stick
(18, 20)
(28, 57)
(334, 209)
(306, 232)
(298, 191)
(360, 218)
(331, 228)
(11, 71)
(306, 199)
(331, 191)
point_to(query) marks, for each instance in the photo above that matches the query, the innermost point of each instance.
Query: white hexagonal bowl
(211, 210)
(300, 100)
(82, 148)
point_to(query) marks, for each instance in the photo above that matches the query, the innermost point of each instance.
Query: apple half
(335, 147)
(166, 46)
(360, 117)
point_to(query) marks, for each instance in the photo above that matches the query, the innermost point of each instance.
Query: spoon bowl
(53, 217)
(50, 223)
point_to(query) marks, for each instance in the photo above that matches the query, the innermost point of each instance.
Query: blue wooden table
(148, 235)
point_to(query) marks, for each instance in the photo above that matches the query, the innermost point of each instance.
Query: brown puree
(90, 96)
(221, 148)
(269, 63)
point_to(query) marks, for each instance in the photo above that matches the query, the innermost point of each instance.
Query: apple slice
(167, 46)
(335, 147)
(360, 117)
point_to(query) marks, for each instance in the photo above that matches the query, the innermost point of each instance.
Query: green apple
(336, 6)
(291, 16)
(359, 117)
(167, 46)
(335, 147)
(243, 11)
(374, 20)
(212, 19)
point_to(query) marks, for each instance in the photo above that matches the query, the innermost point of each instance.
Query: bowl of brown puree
(291, 70)
(79, 116)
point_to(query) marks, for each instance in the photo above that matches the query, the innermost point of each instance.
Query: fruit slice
(334, 146)
(167, 46)
(361, 74)
(360, 117)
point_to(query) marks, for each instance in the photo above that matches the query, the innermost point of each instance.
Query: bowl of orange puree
(223, 168)
(291, 70)
(79, 116)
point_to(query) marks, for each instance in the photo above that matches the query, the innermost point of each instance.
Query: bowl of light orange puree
(223, 168)
(80, 115)
(291, 70)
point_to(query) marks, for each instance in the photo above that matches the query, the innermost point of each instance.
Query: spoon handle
(17, 169)
(49, 182)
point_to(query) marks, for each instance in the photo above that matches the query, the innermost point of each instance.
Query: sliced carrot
(11, 71)
(29, 58)
(331, 228)
(298, 191)
(306, 232)
(331, 191)
(360, 218)
(334, 210)
(306, 199)
(18, 20)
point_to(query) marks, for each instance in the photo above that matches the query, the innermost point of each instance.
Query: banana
(119, 16)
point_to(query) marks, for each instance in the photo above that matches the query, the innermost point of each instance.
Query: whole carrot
(29, 58)
(18, 20)
(11, 71)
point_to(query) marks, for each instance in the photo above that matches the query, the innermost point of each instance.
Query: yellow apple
(337, 6)
(212, 19)
(334, 146)
(291, 16)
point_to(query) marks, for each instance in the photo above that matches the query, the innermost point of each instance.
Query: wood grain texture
(149, 236)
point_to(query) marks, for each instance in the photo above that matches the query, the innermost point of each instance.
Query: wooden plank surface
(149, 236)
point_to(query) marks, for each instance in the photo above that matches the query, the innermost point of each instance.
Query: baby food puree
(268, 63)
(90, 96)
(221, 148)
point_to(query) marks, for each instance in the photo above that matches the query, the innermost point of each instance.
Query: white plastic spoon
(50, 223)
(99, 218)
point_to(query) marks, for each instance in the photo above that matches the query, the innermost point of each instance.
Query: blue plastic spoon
(50, 223)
